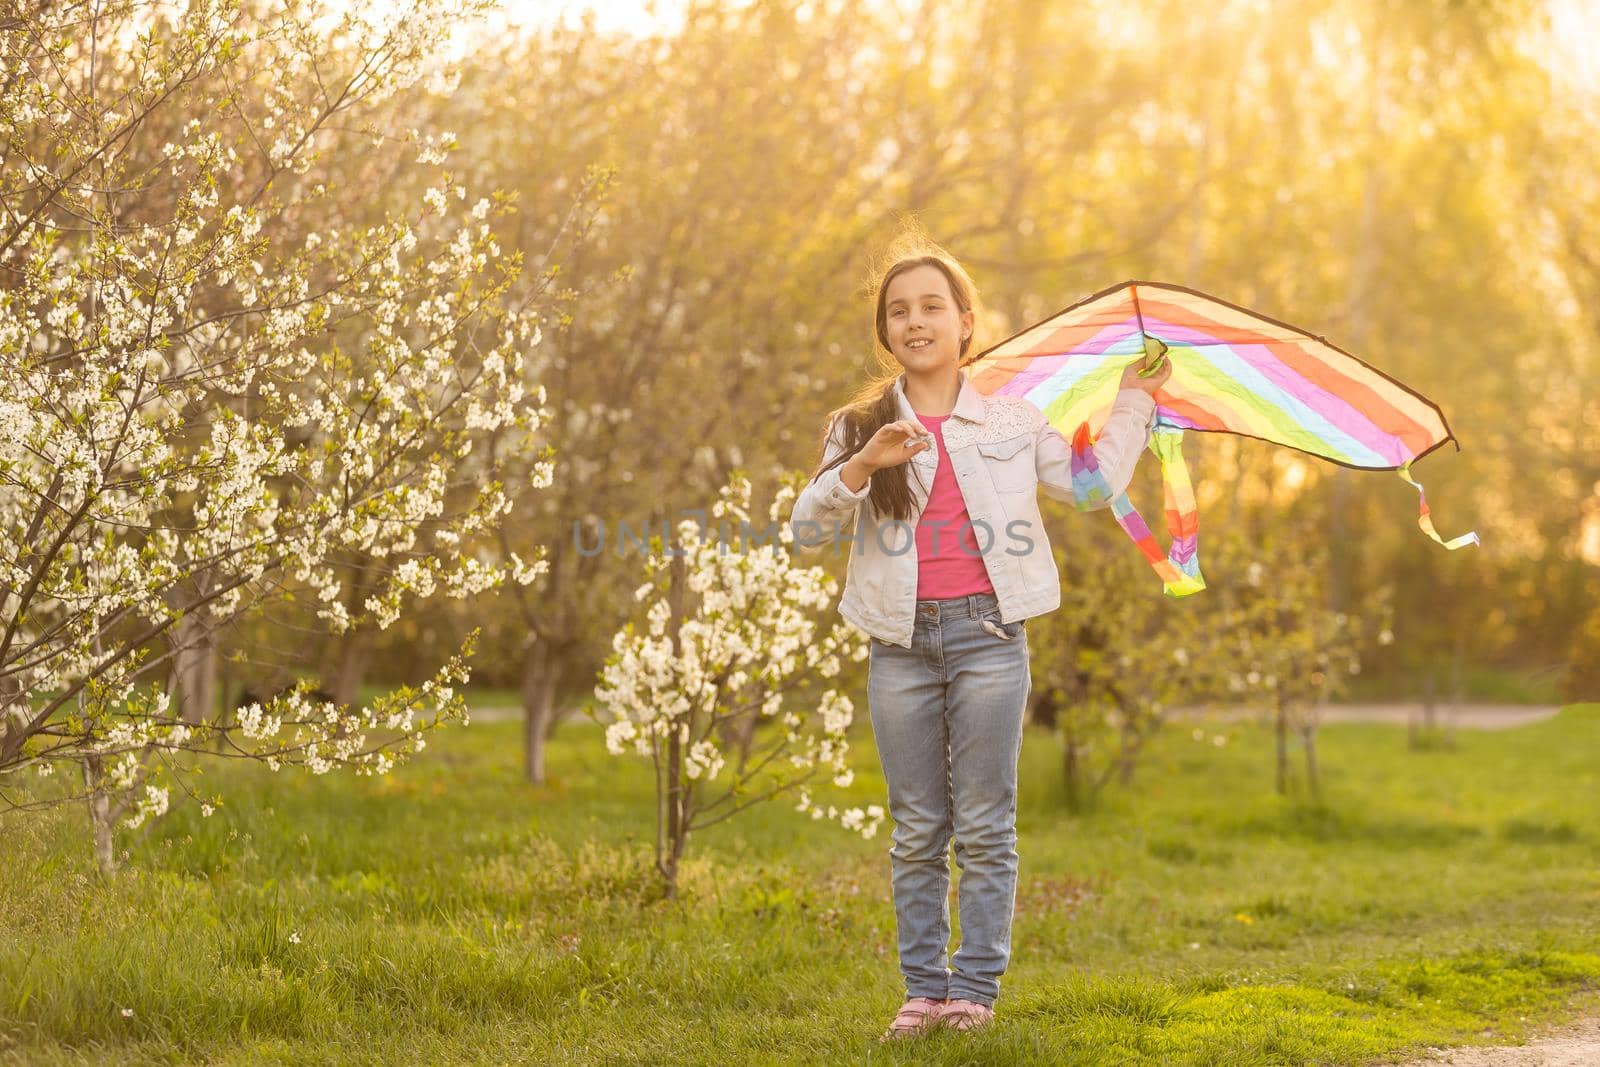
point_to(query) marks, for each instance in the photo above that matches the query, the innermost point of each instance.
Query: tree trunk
(355, 643)
(100, 816)
(12, 705)
(1127, 750)
(672, 809)
(541, 676)
(231, 695)
(351, 669)
(1073, 770)
(740, 736)
(1458, 685)
(675, 856)
(1280, 728)
(194, 666)
(1365, 259)
(1308, 738)
(1042, 710)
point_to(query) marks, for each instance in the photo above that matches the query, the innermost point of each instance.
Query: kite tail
(1425, 519)
(1089, 487)
(1183, 515)
(1179, 566)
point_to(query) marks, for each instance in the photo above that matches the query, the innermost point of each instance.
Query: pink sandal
(915, 1016)
(965, 1015)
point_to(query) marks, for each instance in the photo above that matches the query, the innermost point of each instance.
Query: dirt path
(1575, 1045)
(1464, 717)
(1446, 716)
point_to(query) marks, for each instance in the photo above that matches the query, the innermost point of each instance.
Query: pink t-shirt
(953, 567)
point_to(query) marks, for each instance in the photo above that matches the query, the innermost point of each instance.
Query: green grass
(450, 913)
(1480, 684)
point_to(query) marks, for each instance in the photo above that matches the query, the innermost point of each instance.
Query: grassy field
(1479, 684)
(449, 913)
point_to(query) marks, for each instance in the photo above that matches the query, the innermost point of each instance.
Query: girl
(944, 603)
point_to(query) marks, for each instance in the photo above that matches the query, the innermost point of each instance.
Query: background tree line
(1410, 178)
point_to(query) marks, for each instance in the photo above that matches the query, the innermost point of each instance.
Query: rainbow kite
(1233, 371)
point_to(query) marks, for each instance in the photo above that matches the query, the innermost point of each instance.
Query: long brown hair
(874, 405)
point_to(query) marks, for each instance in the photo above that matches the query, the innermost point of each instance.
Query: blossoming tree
(213, 385)
(1293, 650)
(1116, 658)
(728, 640)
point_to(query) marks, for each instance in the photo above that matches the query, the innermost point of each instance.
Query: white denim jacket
(1002, 451)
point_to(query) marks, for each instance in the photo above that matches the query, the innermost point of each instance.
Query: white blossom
(214, 402)
(748, 644)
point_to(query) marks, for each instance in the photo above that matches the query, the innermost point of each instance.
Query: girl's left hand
(1131, 379)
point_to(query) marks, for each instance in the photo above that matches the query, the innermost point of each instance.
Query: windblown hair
(874, 405)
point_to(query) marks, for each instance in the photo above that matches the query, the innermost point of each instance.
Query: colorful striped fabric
(1233, 371)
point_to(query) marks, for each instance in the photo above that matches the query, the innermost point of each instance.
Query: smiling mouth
(919, 343)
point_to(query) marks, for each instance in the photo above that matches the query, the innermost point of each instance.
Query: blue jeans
(947, 717)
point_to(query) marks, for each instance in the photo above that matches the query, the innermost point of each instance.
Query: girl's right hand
(894, 443)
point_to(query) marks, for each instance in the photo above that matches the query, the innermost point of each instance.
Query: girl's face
(924, 323)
